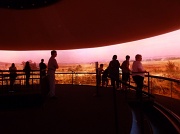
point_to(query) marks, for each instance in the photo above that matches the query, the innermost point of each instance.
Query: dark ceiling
(72, 24)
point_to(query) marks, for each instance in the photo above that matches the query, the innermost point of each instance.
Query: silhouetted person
(27, 70)
(52, 66)
(42, 67)
(125, 71)
(105, 76)
(114, 66)
(138, 74)
(99, 72)
(13, 74)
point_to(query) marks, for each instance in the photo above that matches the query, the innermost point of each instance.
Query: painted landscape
(84, 74)
(161, 58)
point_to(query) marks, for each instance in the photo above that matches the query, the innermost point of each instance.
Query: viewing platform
(79, 110)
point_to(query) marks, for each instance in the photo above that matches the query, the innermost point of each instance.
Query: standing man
(114, 66)
(27, 70)
(42, 67)
(52, 66)
(125, 72)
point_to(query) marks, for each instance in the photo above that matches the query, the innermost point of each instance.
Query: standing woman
(138, 75)
(27, 70)
(13, 74)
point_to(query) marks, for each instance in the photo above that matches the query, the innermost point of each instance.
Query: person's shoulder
(123, 63)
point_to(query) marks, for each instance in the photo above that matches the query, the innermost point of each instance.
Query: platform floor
(77, 110)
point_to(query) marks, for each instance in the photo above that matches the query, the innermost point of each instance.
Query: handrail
(170, 115)
(152, 76)
(75, 78)
(164, 78)
(134, 88)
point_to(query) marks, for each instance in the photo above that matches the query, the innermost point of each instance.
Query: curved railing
(173, 118)
(152, 84)
(168, 87)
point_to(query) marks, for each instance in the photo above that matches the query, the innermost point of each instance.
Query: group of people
(51, 68)
(13, 73)
(112, 71)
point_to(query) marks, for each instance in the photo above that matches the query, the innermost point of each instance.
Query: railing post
(32, 79)
(115, 110)
(151, 85)
(171, 89)
(2, 80)
(72, 77)
(148, 86)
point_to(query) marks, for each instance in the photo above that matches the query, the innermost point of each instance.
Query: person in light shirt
(138, 74)
(52, 66)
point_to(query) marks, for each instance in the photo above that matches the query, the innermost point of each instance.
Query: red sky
(162, 45)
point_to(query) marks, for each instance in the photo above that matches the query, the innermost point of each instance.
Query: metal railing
(164, 86)
(152, 84)
(20, 79)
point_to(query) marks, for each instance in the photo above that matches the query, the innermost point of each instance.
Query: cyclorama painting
(160, 57)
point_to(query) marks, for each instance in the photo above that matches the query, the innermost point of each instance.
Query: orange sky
(162, 45)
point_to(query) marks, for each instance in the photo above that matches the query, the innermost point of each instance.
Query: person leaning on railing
(138, 75)
(13, 74)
